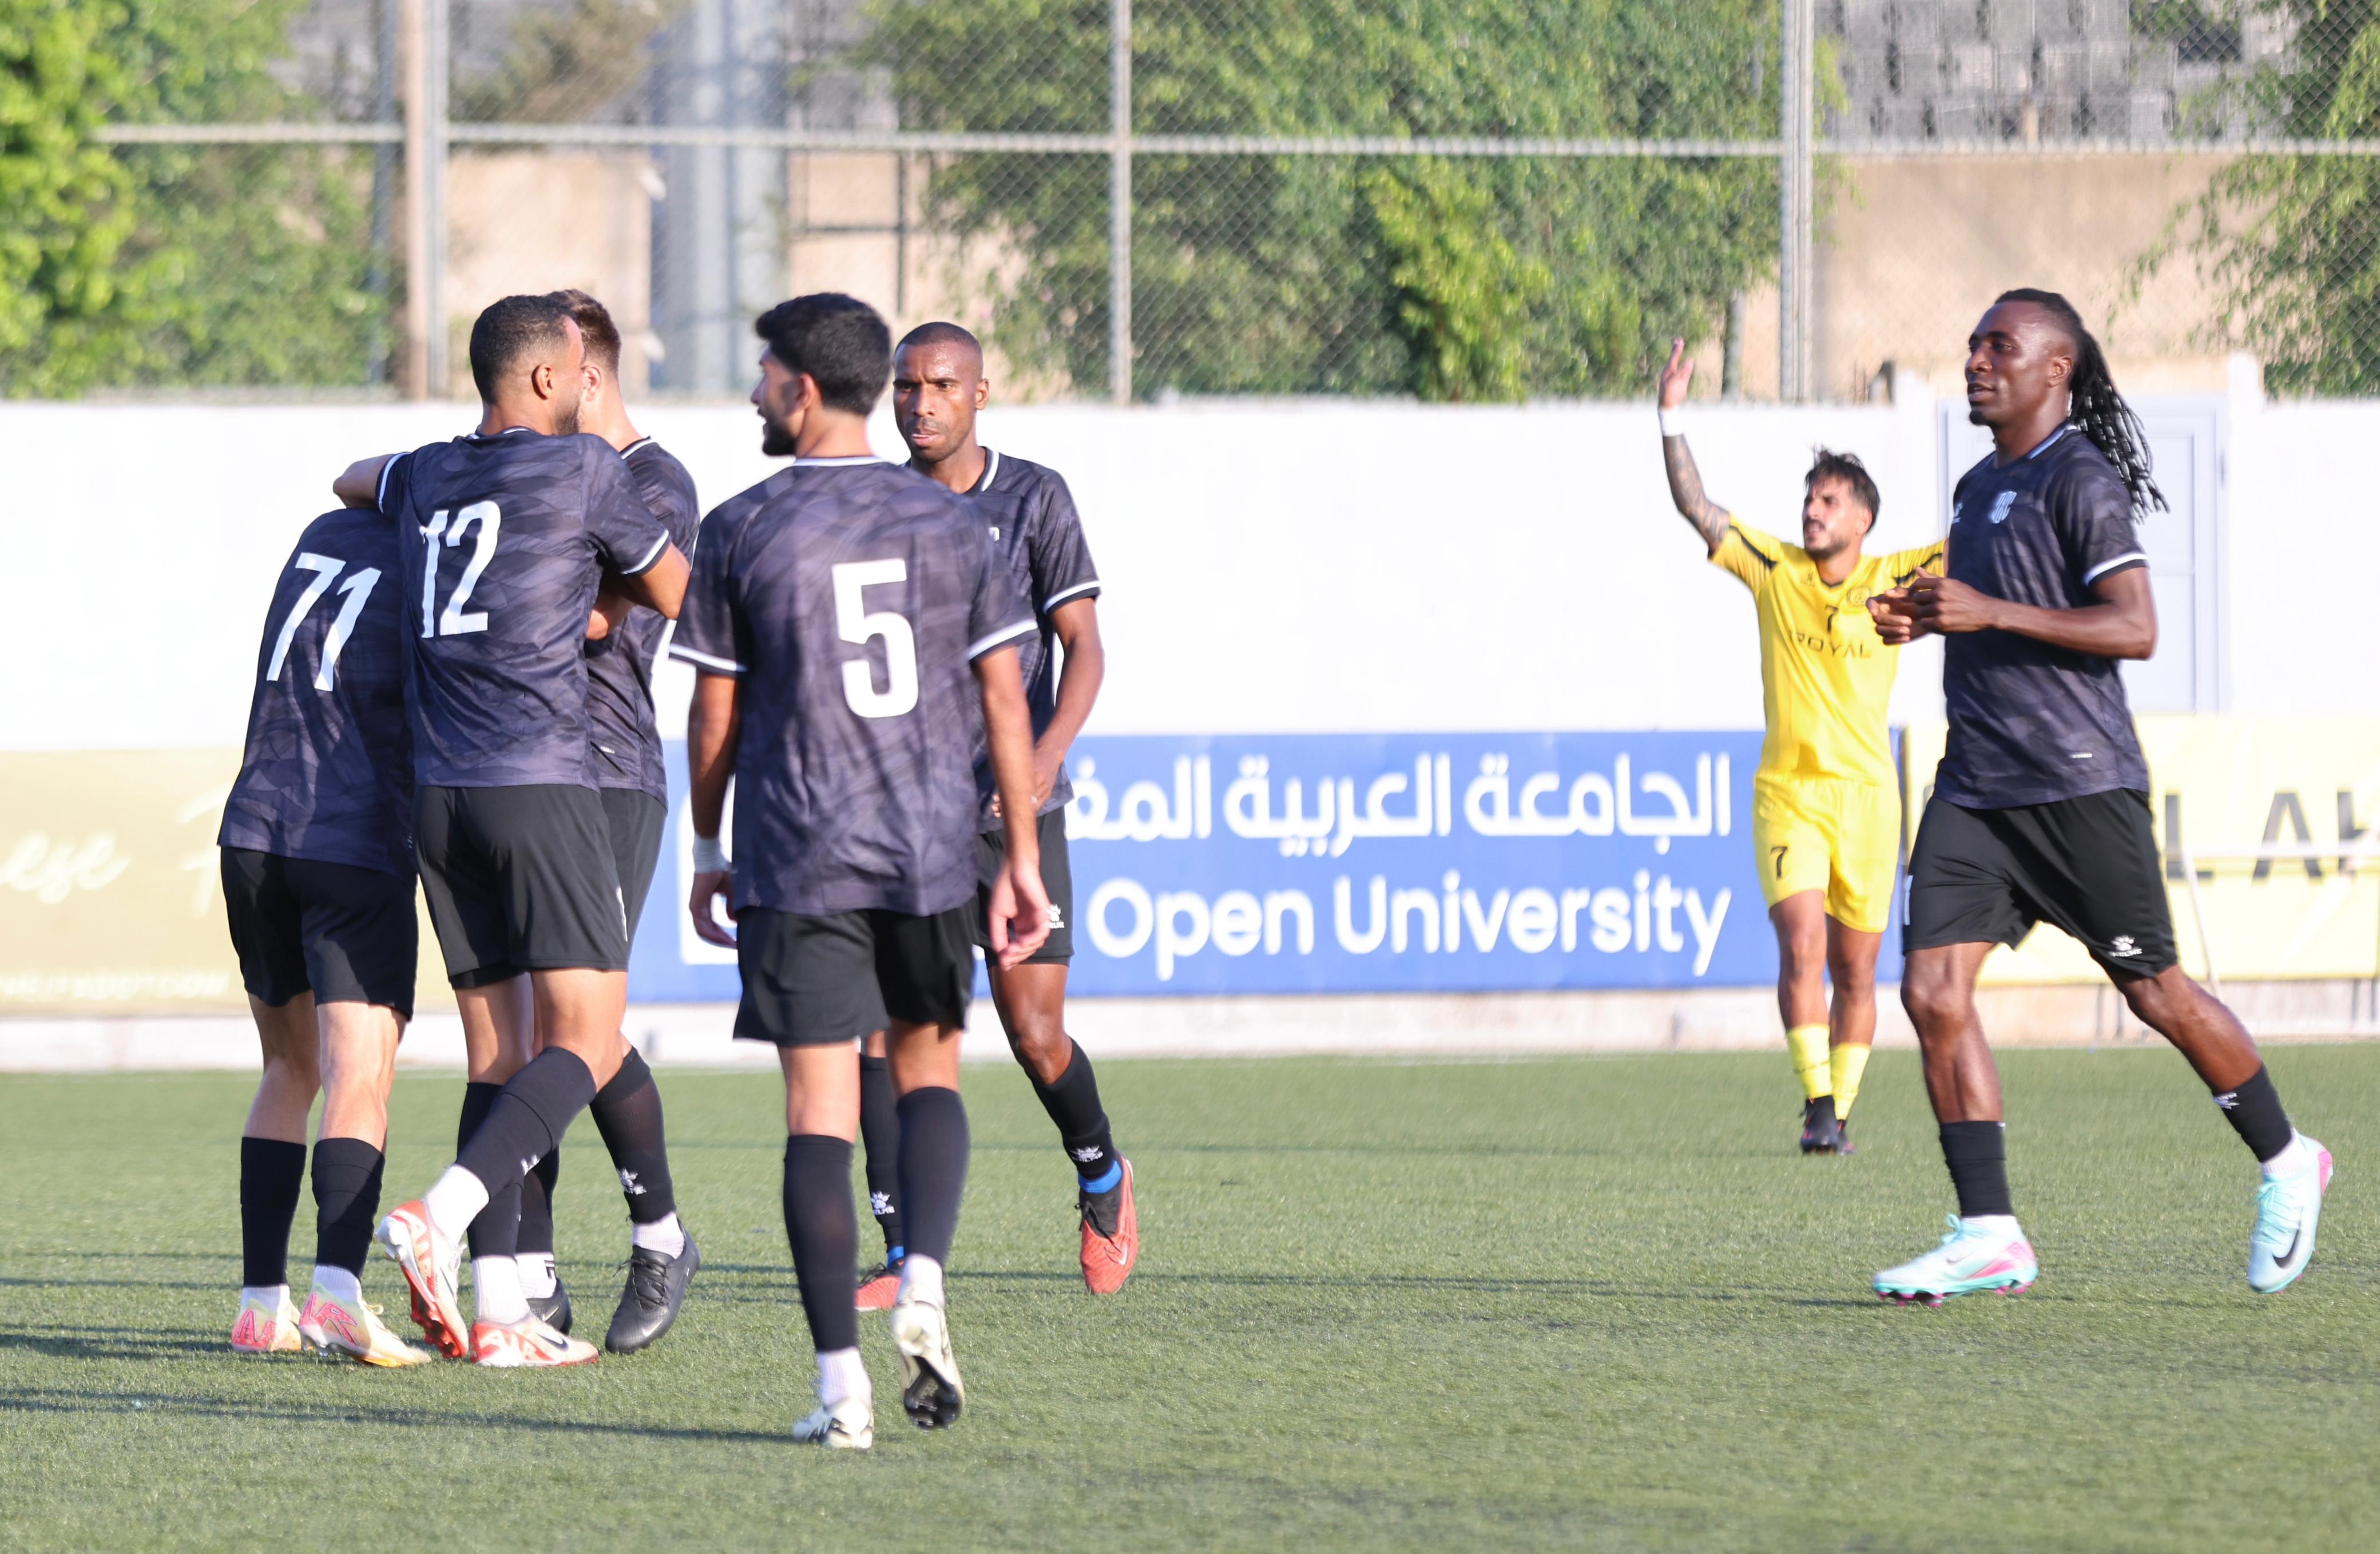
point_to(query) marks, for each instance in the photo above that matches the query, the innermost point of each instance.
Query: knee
(1038, 1039)
(2159, 1002)
(1801, 956)
(1851, 975)
(1933, 1002)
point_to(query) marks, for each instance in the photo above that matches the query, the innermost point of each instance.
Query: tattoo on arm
(1686, 490)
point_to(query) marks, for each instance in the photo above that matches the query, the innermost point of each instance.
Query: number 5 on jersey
(452, 621)
(854, 623)
(357, 590)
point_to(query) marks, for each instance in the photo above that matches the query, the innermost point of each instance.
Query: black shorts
(2089, 865)
(812, 981)
(1057, 878)
(519, 879)
(345, 934)
(635, 818)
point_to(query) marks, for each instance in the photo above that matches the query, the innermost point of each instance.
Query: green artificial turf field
(1577, 1303)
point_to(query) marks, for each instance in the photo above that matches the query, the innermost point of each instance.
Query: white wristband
(709, 857)
(1673, 422)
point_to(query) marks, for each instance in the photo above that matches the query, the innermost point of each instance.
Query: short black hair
(1828, 465)
(595, 327)
(942, 332)
(840, 341)
(509, 329)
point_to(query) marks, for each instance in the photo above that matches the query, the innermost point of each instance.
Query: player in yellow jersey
(1825, 805)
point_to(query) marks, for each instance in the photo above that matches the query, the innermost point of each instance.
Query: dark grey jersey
(509, 538)
(1038, 534)
(2030, 723)
(851, 598)
(328, 771)
(620, 668)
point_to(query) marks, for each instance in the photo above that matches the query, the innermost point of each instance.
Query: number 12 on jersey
(454, 621)
(853, 622)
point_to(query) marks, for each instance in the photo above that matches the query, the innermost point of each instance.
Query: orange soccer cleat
(1110, 1236)
(266, 1327)
(528, 1345)
(878, 1287)
(431, 1264)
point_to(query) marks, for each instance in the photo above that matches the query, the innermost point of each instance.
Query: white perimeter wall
(1271, 567)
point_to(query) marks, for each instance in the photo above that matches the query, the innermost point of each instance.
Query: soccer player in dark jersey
(635, 791)
(2040, 809)
(518, 528)
(317, 845)
(848, 623)
(937, 386)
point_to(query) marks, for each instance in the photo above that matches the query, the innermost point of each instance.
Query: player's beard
(776, 442)
(566, 419)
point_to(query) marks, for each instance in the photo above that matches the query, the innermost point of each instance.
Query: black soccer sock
(527, 1120)
(492, 1230)
(2254, 1110)
(879, 1136)
(1074, 1104)
(346, 1201)
(627, 1113)
(271, 1174)
(933, 1157)
(1977, 1156)
(537, 1206)
(824, 1233)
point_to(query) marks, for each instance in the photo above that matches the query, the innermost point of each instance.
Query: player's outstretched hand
(709, 886)
(1019, 914)
(1677, 377)
(1895, 616)
(1945, 605)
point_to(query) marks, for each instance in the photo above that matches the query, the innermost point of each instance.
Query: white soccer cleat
(528, 1345)
(355, 1331)
(844, 1425)
(431, 1264)
(2287, 1209)
(266, 1327)
(1986, 1253)
(931, 1393)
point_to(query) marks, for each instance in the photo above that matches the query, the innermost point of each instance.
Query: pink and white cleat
(267, 1325)
(1988, 1252)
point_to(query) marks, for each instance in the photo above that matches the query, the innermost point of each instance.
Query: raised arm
(1708, 517)
(358, 484)
(659, 587)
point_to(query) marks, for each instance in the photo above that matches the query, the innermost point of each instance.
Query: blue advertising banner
(1374, 863)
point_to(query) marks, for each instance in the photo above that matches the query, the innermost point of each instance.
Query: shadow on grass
(60, 1400)
(108, 1343)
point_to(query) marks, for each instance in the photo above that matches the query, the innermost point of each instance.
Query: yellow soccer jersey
(1824, 676)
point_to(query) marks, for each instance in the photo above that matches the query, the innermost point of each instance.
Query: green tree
(2292, 243)
(1448, 277)
(170, 265)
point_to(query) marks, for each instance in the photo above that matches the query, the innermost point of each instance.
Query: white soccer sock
(841, 1376)
(271, 1294)
(2294, 1158)
(496, 1291)
(664, 1235)
(453, 1201)
(921, 1280)
(338, 1284)
(537, 1275)
(1992, 1224)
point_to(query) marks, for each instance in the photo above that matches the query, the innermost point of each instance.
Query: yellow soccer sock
(1807, 1044)
(1847, 1063)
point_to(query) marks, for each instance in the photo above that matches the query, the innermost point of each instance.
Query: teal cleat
(2287, 1209)
(1986, 1253)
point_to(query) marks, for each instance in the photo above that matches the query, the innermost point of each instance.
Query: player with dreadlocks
(2040, 809)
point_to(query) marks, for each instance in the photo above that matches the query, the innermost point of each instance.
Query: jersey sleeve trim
(1735, 531)
(2114, 563)
(387, 469)
(1005, 635)
(651, 556)
(1064, 594)
(717, 666)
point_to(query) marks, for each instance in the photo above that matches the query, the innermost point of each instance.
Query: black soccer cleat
(656, 1290)
(1821, 1135)
(554, 1310)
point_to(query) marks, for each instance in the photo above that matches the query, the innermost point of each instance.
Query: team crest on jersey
(2000, 508)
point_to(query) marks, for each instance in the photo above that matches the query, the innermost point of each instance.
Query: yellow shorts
(1822, 834)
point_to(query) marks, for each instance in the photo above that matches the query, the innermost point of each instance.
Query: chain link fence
(1457, 199)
